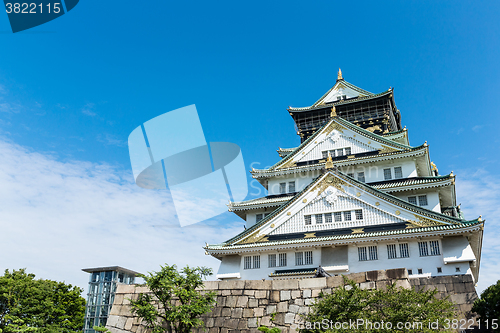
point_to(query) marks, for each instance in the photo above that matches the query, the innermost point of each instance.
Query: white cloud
(479, 193)
(88, 110)
(57, 217)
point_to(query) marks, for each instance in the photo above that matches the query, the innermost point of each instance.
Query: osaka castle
(354, 196)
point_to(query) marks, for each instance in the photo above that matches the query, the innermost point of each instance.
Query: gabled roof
(335, 123)
(341, 84)
(427, 220)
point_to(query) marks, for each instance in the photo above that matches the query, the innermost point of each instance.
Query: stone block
(459, 298)
(289, 318)
(242, 324)
(450, 288)
(294, 308)
(214, 330)
(260, 294)
(441, 287)
(304, 310)
(284, 284)
(264, 301)
(270, 309)
(258, 312)
(126, 299)
(252, 322)
(118, 299)
(357, 277)
(334, 281)
(279, 319)
(232, 284)
(247, 313)
(348, 287)
(282, 307)
(242, 301)
(112, 320)
(326, 291)
(397, 273)
(120, 323)
(115, 310)
(315, 283)
(378, 275)
(249, 292)
(405, 284)
(275, 296)
(226, 312)
(459, 287)
(221, 301)
(231, 301)
(309, 301)
(125, 288)
(295, 294)
(306, 293)
(219, 321)
(209, 322)
(315, 292)
(299, 301)
(237, 292)
(253, 303)
(117, 330)
(125, 311)
(211, 285)
(258, 284)
(224, 330)
(128, 324)
(368, 284)
(266, 321)
(414, 282)
(142, 290)
(225, 292)
(216, 312)
(237, 313)
(231, 323)
(285, 295)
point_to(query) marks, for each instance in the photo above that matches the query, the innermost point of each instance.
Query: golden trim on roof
(339, 75)
(328, 181)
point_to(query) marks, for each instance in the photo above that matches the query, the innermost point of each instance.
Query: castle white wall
(433, 202)
(428, 264)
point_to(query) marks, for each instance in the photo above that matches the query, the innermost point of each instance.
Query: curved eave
(337, 103)
(266, 173)
(248, 205)
(465, 227)
(406, 184)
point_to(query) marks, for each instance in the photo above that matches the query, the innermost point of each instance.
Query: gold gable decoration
(334, 126)
(254, 238)
(422, 222)
(330, 180)
(386, 150)
(289, 164)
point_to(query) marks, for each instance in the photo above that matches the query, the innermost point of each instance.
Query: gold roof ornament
(329, 162)
(339, 75)
(333, 113)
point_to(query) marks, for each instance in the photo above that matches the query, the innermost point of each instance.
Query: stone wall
(242, 305)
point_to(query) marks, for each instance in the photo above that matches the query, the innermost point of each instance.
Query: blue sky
(72, 90)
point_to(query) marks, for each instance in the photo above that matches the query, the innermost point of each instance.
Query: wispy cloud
(59, 217)
(9, 108)
(479, 193)
(111, 140)
(88, 110)
(477, 128)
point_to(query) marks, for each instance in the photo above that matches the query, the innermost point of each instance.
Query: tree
(488, 307)
(180, 297)
(350, 308)
(30, 305)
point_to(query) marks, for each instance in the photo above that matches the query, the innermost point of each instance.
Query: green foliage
(269, 330)
(488, 306)
(101, 329)
(42, 306)
(176, 292)
(350, 304)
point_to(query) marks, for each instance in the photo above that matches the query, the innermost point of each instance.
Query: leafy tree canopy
(31, 305)
(350, 309)
(488, 306)
(180, 296)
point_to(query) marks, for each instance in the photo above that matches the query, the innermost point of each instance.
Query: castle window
(271, 259)
(308, 258)
(420, 271)
(332, 153)
(282, 259)
(291, 187)
(423, 249)
(403, 250)
(398, 172)
(347, 216)
(307, 219)
(457, 269)
(299, 258)
(391, 251)
(328, 218)
(359, 214)
(422, 200)
(434, 245)
(412, 200)
(258, 217)
(256, 261)
(282, 188)
(338, 216)
(319, 218)
(410, 271)
(362, 253)
(439, 270)
(387, 174)
(340, 152)
(247, 262)
(361, 176)
(348, 151)
(325, 155)
(372, 253)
